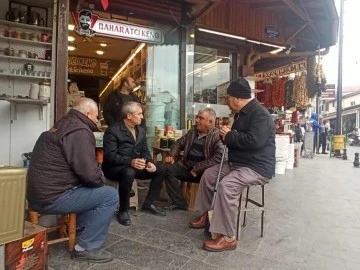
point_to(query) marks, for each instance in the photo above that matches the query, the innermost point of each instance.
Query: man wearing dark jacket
(202, 149)
(64, 177)
(251, 161)
(126, 157)
(115, 101)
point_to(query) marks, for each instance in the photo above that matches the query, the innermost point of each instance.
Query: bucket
(280, 167)
(339, 142)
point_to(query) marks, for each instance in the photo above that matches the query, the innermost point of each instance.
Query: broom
(210, 212)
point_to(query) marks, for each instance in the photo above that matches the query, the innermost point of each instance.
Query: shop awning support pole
(338, 129)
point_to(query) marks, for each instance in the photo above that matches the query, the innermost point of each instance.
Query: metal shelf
(26, 59)
(25, 41)
(17, 101)
(24, 76)
(25, 26)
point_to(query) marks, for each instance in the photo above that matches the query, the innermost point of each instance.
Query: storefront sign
(272, 32)
(89, 24)
(329, 94)
(282, 71)
(92, 66)
(330, 86)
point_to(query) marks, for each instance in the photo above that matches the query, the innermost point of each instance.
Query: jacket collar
(139, 131)
(83, 118)
(249, 107)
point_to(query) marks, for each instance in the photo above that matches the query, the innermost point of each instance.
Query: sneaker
(94, 256)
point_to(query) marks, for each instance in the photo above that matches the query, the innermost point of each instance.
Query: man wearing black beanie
(251, 161)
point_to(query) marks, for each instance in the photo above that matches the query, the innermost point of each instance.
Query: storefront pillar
(61, 67)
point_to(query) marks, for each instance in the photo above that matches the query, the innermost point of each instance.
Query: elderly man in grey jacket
(202, 149)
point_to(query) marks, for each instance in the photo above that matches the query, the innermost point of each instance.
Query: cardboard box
(28, 253)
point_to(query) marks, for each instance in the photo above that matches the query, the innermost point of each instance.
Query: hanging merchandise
(278, 94)
(289, 102)
(266, 96)
(300, 92)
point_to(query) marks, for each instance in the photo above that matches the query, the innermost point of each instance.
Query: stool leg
(34, 217)
(263, 211)
(246, 204)
(72, 231)
(238, 218)
(62, 226)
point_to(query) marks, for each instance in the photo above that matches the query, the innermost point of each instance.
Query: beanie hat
(239, 88)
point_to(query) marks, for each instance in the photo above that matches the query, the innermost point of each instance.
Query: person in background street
(251, 161)
(315, 128)
(202, 149)
(64, 177)
(322, 137)
(126, 157)
(116, 99)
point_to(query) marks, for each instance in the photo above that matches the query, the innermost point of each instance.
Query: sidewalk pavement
(312, 221)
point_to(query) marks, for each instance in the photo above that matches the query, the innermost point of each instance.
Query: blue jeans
(94, 208)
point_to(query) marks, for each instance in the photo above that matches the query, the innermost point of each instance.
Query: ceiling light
(71, 27)
(99, 52)
(71, 48)
(266, 44)
(103, 44)
(276, 51)
(221, 34)
(71, 39)
(192, 35)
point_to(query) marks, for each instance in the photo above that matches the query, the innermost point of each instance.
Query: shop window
(210, 76)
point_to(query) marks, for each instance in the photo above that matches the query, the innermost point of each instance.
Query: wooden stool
(66, 227)
(189, 191)
(260, 207)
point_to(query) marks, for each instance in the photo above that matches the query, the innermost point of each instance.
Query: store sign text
(283, 71)
(90, 24)
(92, 66)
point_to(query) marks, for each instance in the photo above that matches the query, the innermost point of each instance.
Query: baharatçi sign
(90, 24)
(282, 71)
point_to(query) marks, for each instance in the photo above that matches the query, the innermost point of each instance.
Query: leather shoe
(94, 256)
(219, 244)
(199, 222)
(153, 209)
(175, 207)
(124, 218)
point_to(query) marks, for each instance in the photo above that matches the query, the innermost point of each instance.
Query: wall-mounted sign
(330, 86)
(272, 32)
(282, 71)
(328, 94)
(90, 24)
(92, 66)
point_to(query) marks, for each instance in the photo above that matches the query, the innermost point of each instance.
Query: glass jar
(44, 90)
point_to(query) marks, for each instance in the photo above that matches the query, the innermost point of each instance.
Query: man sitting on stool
(64, 177)
(126, 157)
(202, 149)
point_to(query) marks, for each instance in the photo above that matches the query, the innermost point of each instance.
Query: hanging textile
(289, 87)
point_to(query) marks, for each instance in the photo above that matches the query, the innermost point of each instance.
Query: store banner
(282, 71)
(92, 66)
(90, 24)
(328, 94)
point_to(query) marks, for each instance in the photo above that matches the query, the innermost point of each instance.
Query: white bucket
(290, 164)
(280, 167)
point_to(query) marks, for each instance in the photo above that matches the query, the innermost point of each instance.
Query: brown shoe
(199, 222)
(219, 244)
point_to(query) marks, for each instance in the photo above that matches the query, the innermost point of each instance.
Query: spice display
(300, 92)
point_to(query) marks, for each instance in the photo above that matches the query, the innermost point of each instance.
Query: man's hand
(193, 173)
(138, 163)
(150, 167)
(169, 160)
(223, 131)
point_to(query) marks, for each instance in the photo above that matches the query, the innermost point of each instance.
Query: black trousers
(174, 174)
(126, 177)
(322, 140)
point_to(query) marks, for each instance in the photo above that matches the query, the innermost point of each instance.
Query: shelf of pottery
(25, 61)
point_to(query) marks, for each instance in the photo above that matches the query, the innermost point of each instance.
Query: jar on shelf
(44, 90)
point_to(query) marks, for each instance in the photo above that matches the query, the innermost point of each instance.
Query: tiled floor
(312, 222)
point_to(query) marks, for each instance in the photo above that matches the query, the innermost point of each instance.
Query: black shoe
(153, 209)
(132, 193)
(175, 207)
(124, 218)
(94, 256)
(324, 153)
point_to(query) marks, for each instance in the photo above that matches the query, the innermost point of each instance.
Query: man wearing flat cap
(251, 161)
